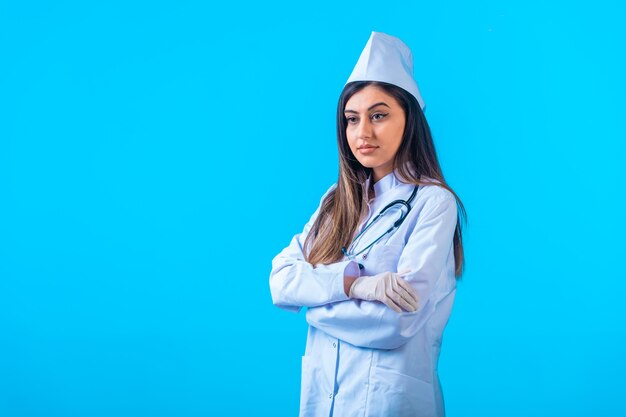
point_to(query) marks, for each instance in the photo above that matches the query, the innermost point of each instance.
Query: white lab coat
(361, 357)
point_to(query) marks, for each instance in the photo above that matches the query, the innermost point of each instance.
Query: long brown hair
(343, 207)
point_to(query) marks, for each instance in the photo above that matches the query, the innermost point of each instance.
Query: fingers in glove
(409, 289)
(402, 296)
(390, 300)
(407, 302)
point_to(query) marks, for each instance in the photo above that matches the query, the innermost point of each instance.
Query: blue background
(154, 158)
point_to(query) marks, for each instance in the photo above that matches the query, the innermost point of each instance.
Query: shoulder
(328, 191)
(436, 202)
(434, 193)
(324, 195)
(332, 187)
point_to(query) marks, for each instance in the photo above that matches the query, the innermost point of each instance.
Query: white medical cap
(388, 59)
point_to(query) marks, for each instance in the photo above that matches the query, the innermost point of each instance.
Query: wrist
(347, 284)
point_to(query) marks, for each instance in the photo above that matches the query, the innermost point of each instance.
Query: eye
(350, 119)
(379, 114)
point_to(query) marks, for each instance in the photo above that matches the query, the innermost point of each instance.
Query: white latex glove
(387, 287)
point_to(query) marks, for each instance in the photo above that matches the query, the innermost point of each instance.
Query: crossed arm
(295, 283)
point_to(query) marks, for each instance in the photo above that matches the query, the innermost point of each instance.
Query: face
(375, 124)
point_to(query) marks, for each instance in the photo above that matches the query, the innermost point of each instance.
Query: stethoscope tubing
(396, 224)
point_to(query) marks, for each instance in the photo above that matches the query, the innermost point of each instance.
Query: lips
(367, 149)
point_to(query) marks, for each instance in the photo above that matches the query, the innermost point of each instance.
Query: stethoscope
(396, 224)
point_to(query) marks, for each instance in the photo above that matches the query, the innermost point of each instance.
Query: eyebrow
(369, 108)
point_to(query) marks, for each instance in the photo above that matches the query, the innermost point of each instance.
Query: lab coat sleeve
(295, 283)
(372, 324)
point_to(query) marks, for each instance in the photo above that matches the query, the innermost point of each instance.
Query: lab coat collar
(383, 185)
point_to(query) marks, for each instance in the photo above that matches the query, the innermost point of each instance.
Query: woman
(375, 333)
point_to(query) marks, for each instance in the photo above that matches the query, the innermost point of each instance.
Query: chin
(368, 163)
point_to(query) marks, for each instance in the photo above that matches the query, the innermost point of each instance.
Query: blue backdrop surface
(155, 156)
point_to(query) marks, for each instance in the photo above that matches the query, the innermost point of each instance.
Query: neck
(377, 174)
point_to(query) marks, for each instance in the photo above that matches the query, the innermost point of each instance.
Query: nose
(364, 129)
